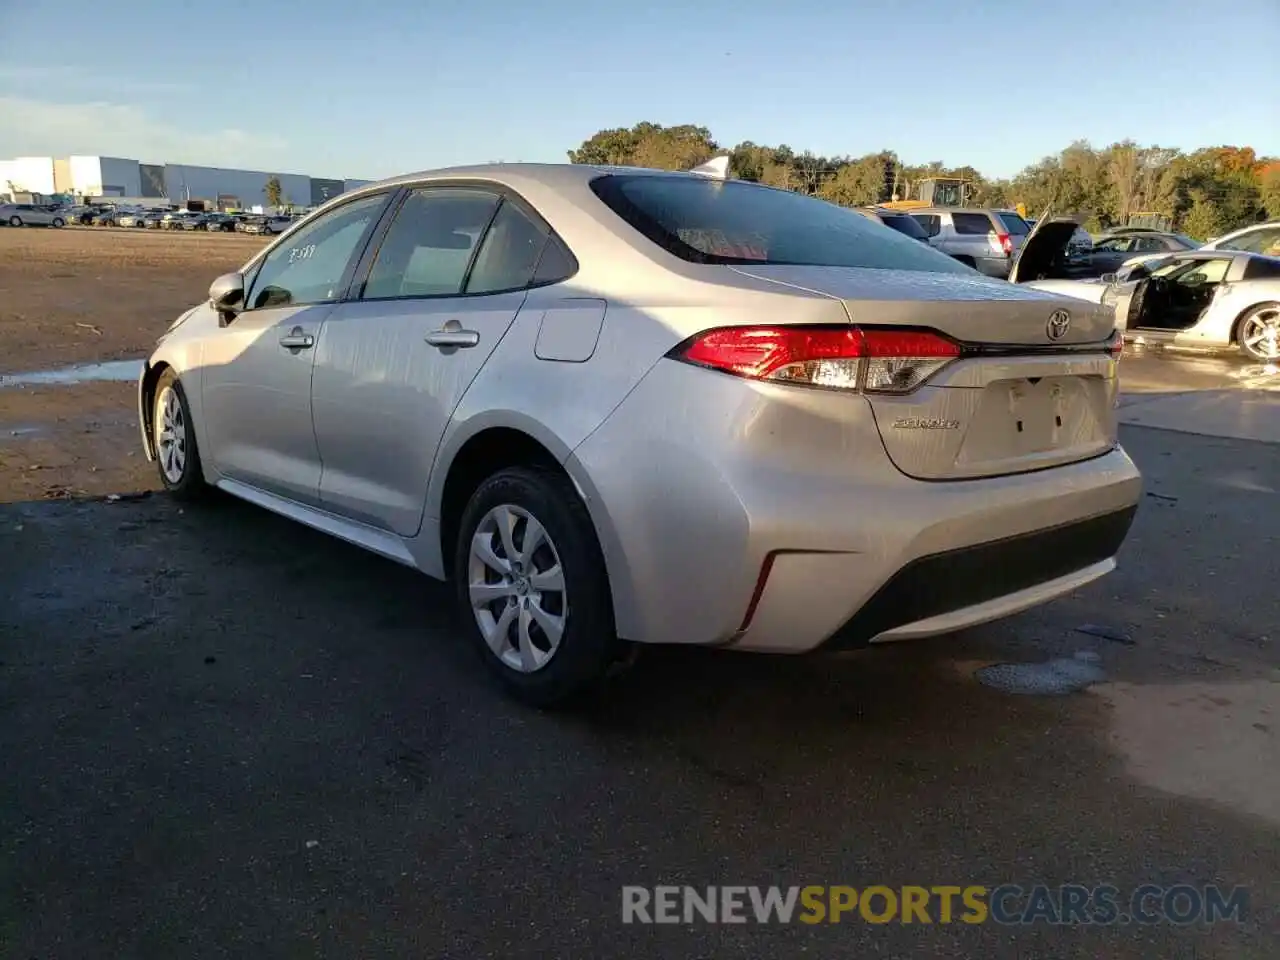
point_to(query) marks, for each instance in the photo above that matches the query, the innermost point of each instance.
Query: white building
(163, 183)
(28, 175)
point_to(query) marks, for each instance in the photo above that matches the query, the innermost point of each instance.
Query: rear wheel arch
(482, 455)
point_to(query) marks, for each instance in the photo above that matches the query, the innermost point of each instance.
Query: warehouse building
(177, 184)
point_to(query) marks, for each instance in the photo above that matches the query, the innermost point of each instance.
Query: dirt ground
(78, 296)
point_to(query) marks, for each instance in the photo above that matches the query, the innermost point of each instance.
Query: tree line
(1203, 193)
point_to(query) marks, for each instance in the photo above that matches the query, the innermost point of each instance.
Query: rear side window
(972, 223)
(1262, 268)
(1013, 223)
(931, 223)
(509, 254)
(732, 222)
(428, 247)
(557, 263)
(904, 224)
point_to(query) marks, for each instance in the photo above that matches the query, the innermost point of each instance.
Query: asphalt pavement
(224, 735)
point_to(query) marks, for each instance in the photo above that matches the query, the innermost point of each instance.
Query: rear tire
(1258, 332)
(531, 587)
(174, 438)
(58, 222)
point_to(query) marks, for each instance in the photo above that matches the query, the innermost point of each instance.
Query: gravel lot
(225, 735)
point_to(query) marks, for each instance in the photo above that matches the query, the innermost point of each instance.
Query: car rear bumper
(770, 518)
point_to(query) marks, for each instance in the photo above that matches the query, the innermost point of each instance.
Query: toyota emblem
(1058, 325)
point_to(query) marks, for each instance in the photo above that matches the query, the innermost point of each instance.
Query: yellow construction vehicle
(934, 192)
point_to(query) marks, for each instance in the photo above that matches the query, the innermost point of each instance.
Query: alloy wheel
(517, 588)
(171, 435)
(1261, 334)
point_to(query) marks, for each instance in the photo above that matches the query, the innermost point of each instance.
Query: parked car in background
(986, 240)
(106, 217)
(1084, 259)
(897, 220)
(267, 225)
(31, 215)
(1192, 298)
(1261, 238)
(219, 222)
(870, 441)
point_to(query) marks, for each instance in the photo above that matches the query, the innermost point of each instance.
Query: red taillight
(1006, 243)
(849, 358)
(1115, 346)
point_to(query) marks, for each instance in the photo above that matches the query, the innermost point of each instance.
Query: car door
(443, 286)
(256, 373)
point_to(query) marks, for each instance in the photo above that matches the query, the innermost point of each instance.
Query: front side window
(733, 222)
(308, 266)
(1114, 245)
(1200, 272)
(904, 224)
(931, 223)
(428, 248)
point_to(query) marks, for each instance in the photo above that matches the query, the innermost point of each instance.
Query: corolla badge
(925, 423)
(1058, 325)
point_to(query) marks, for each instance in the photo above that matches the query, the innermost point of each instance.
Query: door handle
(453, 337)
(295, 339)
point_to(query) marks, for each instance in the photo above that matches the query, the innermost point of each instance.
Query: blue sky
(333, 88)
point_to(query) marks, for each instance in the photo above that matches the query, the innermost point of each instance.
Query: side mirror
(226, 294)
(1110, 277)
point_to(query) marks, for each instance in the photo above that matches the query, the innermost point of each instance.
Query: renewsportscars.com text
(1008, 904)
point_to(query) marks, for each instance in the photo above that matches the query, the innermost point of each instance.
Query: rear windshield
(733, 222)
(1016, 226)
(904, 224)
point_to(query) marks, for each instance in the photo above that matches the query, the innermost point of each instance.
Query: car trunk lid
(1034, 386)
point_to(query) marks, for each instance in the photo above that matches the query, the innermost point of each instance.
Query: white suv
(31, 214)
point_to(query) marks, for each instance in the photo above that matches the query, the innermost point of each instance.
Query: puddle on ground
(1209, 741)
(1054, 678)
(112, 370)
(10, 433)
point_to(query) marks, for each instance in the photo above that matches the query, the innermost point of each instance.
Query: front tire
(1259, 332)
(174, 438)
(532, 589)
(15, 221)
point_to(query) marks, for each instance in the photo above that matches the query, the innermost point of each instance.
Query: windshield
(733, 222)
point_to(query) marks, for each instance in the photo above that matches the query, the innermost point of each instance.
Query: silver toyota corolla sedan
(623, 405)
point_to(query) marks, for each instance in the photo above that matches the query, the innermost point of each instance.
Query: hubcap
(171, 435)
(1261, 334)
(517, 588)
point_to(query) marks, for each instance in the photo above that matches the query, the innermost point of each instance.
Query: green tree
(1269, 187)
(648, 145)
(1213, 189)
(274, 192)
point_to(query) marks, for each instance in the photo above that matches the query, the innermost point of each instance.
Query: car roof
(509, 174)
